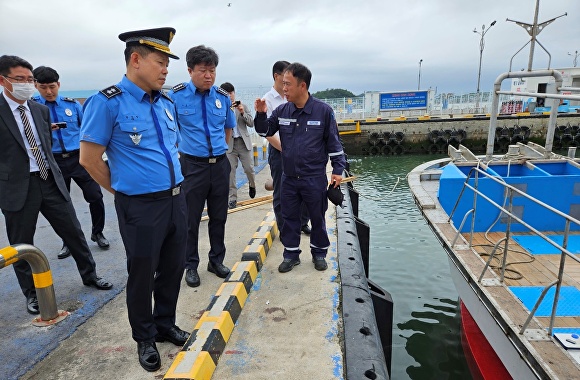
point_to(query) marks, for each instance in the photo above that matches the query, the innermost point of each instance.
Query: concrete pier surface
(288, 328)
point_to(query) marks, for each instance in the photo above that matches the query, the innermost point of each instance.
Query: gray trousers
(241, 153)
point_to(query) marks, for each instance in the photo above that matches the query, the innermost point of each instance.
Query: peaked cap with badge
(158, 39)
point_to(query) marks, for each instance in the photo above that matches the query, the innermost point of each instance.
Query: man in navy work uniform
(135, 123)
(309, 136)
(206, 121)
(31, 181)
(65, 149)
(274, 98)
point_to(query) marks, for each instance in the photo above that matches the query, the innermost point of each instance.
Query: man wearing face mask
(31, 181)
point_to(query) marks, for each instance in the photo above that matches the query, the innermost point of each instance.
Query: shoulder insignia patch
(222, 91)
(69, 100)
(36, 98)
(111, 91)
(166, 95)
(178, 87)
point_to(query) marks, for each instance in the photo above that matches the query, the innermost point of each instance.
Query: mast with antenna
(533, 30)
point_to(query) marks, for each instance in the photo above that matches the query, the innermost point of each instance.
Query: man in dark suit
(30, 179)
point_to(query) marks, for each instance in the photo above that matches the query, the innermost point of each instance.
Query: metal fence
(367, 105)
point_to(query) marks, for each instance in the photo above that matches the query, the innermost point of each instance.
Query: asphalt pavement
(288, 329)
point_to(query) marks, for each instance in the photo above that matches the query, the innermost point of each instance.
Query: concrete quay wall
(432, 135)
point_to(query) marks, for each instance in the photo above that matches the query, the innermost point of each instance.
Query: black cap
(157, 39)
(335, 195)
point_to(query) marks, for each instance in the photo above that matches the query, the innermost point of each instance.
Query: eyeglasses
(21, 79)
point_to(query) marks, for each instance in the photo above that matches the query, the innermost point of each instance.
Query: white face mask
(22, 91)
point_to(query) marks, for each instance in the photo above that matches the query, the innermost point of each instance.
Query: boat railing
(507, 209)
(553, 103)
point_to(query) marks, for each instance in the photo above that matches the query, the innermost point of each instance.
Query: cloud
(356, 45)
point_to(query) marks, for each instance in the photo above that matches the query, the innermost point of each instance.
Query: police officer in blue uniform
(65, 149)
(309, 136)
(206, 122)
(134, 122)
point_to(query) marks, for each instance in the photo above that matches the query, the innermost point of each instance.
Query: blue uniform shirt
(70, 111)
(203, 117)
(123, 121)
(309, 136)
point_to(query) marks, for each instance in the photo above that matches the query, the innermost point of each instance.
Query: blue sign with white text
(403, 100)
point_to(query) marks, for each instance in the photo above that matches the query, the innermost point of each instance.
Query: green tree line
(330, 93)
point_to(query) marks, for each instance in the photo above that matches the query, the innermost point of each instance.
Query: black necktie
(32, 142)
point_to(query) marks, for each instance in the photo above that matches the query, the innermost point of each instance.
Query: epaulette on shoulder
(222, 91)
(69, 100)
(166, 95)
(36, 98)
(178, 87)
(111, 91)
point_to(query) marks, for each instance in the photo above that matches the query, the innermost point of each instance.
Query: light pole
(419, 84)
(481, 46)
(575, 55)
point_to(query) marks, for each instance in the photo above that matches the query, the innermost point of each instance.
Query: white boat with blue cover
(510, 225)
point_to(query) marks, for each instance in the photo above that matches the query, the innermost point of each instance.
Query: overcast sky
(358, 45)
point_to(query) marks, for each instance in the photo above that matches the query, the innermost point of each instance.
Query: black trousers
(72, 170)
(206, 183)
(154, 235)
(46, 198)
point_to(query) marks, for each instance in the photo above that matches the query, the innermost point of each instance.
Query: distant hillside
(331, 93)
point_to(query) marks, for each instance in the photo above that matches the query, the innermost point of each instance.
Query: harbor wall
(432, 135)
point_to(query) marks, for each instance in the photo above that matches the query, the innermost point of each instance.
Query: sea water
(408, 262)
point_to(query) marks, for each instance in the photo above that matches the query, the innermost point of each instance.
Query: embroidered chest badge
(218, 104)
(136, 138)
(68, 112)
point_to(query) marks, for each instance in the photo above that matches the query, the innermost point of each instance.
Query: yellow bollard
(255, 154)
(49, 314)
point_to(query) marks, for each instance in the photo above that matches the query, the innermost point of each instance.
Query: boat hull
(483, 362)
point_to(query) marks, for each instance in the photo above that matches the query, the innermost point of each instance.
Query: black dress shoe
(174, 335)
(219, 270)
(32, 305)
(148, 356)
(252, 192)
(100, 239)
(64, 252)
(232, 204)
(287, 265)
(319, 263)
(306, 229)
(192, 278)
(98, 283)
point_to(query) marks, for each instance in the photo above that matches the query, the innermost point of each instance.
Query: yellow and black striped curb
(199, 356)
(260, 243)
